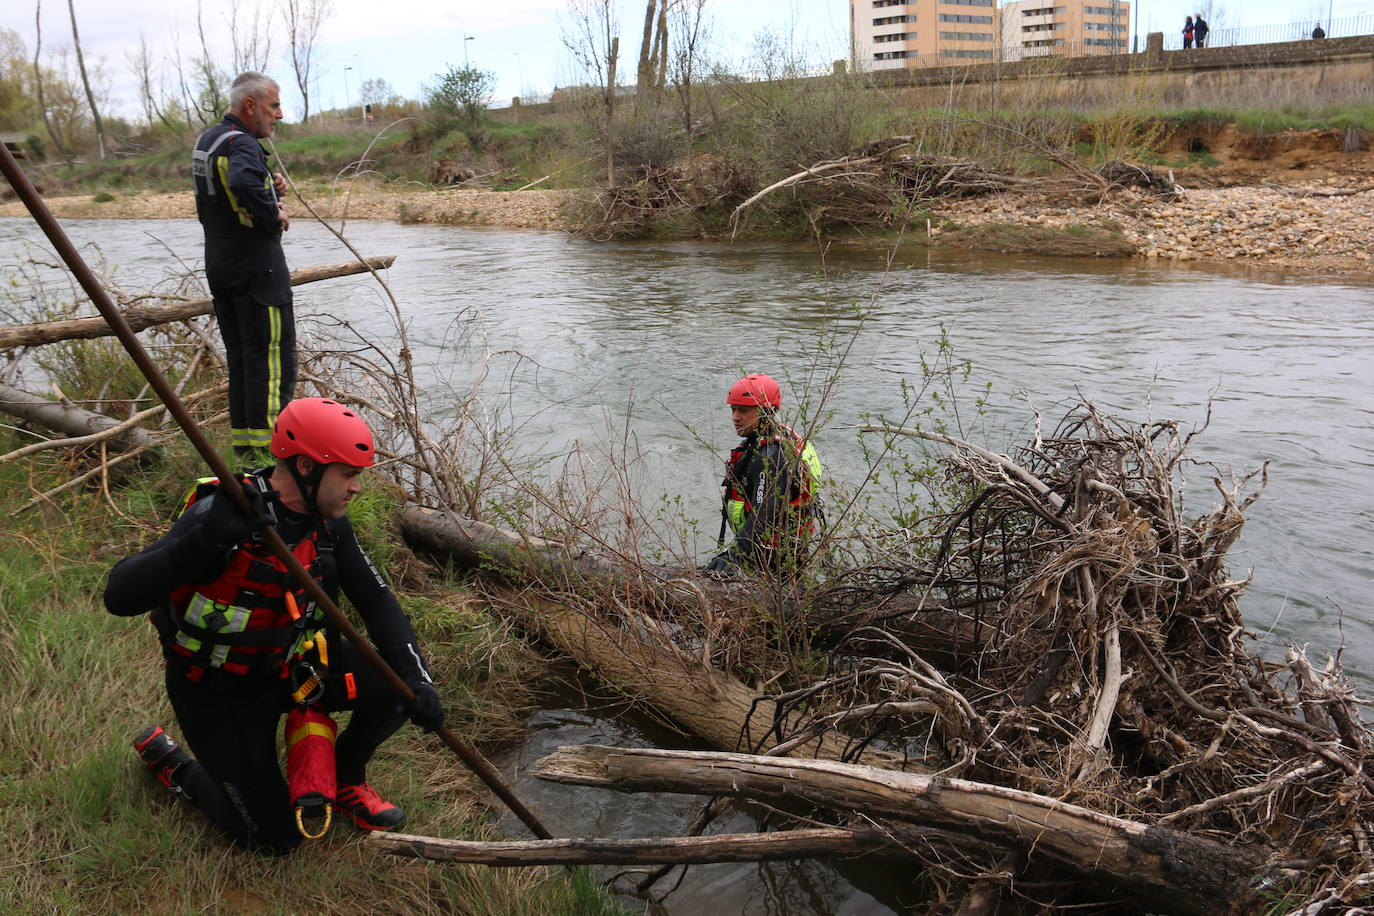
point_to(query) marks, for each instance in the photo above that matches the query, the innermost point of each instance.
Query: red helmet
(755, 390)
(324, 431)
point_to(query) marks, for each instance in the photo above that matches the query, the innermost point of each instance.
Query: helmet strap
(307, 484)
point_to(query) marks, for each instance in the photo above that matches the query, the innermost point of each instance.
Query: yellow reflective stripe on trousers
(222, 167)
(198, 612)
(274, 370)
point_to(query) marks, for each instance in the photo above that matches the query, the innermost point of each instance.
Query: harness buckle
(307, 687)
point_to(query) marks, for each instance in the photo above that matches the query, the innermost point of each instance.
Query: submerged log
(1175, 871)
(703, 850)
(141, 317)
(69, 419)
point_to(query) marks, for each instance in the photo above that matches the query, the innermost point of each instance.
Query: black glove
(426, 710)
(223, 525)
(719, 567)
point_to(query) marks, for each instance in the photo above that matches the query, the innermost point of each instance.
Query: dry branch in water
(141, 317)
(1065, 630)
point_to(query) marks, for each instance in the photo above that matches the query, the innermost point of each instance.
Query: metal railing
(1270, 34)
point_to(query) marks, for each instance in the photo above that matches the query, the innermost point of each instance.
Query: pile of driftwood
(1048, 697)
(881, 186)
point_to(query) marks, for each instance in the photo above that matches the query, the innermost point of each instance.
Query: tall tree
(594, 41)
(303, 21)
(38, 83)
(250, 36)
(86, 82)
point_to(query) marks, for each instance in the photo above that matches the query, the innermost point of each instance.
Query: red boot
(369, 810)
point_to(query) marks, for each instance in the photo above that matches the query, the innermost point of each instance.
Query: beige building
(1066, 28)
(897, 34)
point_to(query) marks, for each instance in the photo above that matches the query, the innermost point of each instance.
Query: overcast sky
(406, 42)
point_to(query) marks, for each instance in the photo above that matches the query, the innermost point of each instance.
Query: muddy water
(636, 343)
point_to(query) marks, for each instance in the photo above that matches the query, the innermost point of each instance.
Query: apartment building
(896, 34)
(1068, 28)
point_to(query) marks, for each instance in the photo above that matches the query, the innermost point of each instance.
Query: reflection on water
(642, 340)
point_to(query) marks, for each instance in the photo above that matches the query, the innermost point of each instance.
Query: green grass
(83, 828)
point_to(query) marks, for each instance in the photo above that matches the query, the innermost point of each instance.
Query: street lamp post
(466, 39)
(348, 96)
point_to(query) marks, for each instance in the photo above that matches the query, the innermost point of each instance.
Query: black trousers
(258, 326)
(231, 724)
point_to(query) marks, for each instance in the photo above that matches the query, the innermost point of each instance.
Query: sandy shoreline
(1287, 228)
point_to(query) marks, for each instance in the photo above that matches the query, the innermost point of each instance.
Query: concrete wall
(1329, 71)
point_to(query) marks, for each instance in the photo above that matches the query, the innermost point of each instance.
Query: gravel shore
(1285, 228)
(1292, 227)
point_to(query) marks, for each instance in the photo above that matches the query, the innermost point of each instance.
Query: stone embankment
(1295, 227)
(1289, 227)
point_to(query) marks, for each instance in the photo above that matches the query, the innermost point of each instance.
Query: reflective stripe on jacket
(240, 622)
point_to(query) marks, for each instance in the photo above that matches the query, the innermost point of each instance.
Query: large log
(704, 850)
(627, 654)
(141, 317)
(68, 418)
(1173, 871)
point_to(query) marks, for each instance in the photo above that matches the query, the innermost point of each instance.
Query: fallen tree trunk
(706, 702)
(141, 317)
(1175, 871)
(70, 419)
(704, 850)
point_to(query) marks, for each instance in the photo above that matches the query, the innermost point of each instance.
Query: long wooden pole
(230, 482)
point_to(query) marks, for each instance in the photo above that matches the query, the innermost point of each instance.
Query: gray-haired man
(238, 200)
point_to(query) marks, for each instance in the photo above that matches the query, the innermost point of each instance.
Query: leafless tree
(303, 21)
(250, 36)
(594, 40)
(211, 88)
(86, 82)
(690, 29)
(38, 83)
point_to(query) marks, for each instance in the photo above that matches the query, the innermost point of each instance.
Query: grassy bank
(86, 829)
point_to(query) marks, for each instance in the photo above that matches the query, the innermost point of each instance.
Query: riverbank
(1320, 226)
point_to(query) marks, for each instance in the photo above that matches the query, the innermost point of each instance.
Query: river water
(608, 342)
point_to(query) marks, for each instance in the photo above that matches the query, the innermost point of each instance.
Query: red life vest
(240, 622)
(738, 505)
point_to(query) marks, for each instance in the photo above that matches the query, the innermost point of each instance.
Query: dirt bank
(534, 209)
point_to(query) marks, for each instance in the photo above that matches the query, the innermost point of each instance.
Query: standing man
(770, 482)
(1200, 30)
(243, 644)
(238, 201)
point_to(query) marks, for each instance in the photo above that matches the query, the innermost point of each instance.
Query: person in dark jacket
(1200, 30)
(1318, 31)
(770, 482)
(243, 645)
(238, 201)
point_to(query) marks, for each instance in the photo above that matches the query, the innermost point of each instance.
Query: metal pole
(348, 96)
(230, 483)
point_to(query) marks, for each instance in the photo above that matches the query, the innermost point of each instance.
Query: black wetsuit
(231, 721)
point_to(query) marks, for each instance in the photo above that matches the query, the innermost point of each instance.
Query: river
(640, 341)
